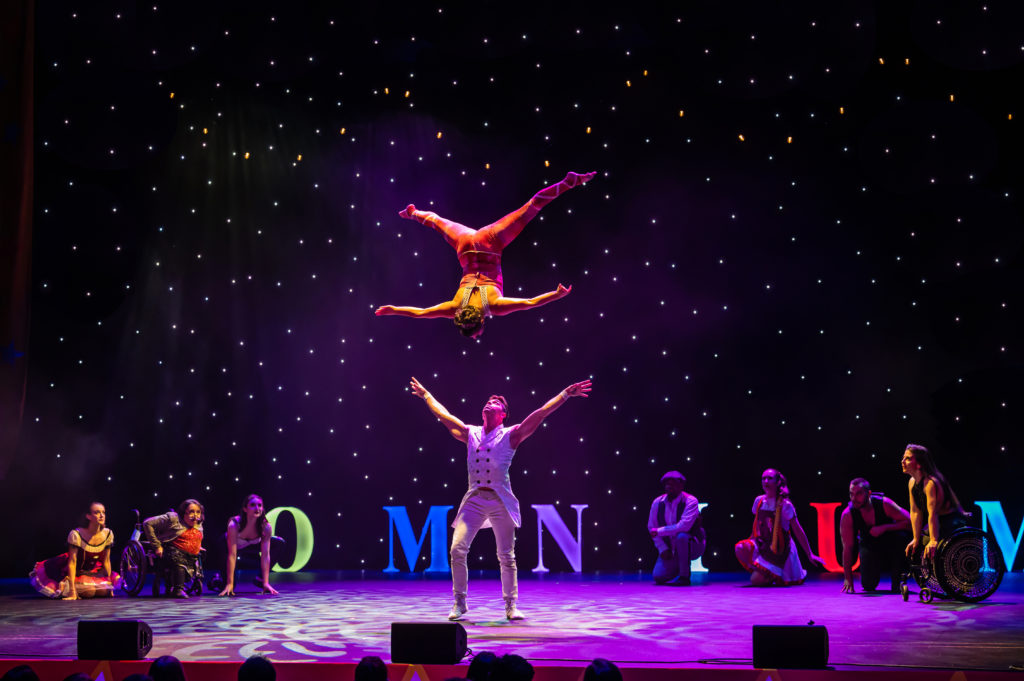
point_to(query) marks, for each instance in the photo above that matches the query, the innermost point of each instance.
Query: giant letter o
(303, 537)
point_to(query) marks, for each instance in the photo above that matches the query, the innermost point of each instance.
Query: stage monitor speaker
(427, 642)
(790, 647)
(113, 639)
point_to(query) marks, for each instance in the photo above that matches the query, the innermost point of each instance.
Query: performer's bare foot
(574, 179)
(408, 212)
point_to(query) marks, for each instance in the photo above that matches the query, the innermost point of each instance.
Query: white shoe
(459, 609)
(512, 612)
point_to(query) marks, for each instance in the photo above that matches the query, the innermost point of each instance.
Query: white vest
(488, 458)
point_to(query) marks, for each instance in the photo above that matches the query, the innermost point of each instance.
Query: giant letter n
(1008, 546)
(436, 524)
(572, 548)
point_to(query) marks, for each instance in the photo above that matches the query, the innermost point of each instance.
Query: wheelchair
(967, 566)
(139, 560)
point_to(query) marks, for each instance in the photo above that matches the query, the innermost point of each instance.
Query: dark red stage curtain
(17, 33)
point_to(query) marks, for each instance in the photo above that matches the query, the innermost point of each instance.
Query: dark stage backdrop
(802, 250)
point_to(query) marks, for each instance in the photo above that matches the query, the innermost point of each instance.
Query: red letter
(827, 535)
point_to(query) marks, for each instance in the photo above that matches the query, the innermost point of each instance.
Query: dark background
(802, 250)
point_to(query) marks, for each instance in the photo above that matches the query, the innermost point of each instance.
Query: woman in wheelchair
(83, 571)
(177, 539)
(249, 528)
(935, 510)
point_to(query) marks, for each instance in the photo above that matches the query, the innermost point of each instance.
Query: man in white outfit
(489, 502)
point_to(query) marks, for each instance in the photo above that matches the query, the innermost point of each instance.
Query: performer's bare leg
(508, 228)
(450, 230)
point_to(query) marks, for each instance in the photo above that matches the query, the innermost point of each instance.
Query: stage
(571, 619)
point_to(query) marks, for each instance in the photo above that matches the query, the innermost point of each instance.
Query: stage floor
(571, 618)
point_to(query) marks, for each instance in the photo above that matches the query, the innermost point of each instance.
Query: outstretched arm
(801, 539)
(533, 421)
(504, 306)
(456, 427)
(848, 536)
(444, 310)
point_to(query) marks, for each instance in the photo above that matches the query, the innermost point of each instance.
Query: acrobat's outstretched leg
(508, 228)
(451, 231)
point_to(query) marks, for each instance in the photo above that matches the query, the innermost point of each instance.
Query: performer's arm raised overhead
(457, 428)
(533, 421)
(503, 306)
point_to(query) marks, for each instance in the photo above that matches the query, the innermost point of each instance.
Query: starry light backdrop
(802, 250)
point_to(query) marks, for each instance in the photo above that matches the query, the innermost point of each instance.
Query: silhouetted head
(481, 666)
(167, 668)
(602, 670)
(512, 668)
(371, 668)
(257, 668)
(470, 321)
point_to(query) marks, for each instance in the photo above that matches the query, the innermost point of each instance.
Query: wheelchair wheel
(195, 588)
(926, 595)
(969, 566)
(133, 568)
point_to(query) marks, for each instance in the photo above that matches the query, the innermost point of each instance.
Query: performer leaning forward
(489, 502)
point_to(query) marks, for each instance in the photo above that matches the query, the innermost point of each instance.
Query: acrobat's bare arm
(454, 426)
(504, 306)
(445, 310)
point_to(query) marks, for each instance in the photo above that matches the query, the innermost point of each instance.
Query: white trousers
(484, 505)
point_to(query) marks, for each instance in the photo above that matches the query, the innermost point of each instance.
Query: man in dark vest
(879, 527)
(674, 525)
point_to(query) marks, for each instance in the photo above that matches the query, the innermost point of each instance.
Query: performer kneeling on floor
(876, 528)
(675, 527)
(770, 553)
(83, 571)
(489, 502)
(177, 538)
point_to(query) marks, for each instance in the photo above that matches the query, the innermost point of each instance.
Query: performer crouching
(489, 502)
(178, 539)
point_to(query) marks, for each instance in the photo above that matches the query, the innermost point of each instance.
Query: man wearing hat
(675, 527)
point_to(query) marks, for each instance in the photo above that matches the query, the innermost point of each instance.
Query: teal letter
(993, 510)
(436, 523)
(303, 537)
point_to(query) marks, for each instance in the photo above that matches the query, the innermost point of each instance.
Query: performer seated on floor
(935, 510)
(479, 251)
(178, 539)
(249, 528)
(770, 553)
(879, 527)
(675, 526)
(83, 571)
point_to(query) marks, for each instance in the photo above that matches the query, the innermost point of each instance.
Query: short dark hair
(257, 668)
(183, 508)
(602, 670)
(167, 668)
(371, 668)
(481, 667)
(512, 668)
(861, 482)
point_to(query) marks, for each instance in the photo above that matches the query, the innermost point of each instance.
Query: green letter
(303, 537)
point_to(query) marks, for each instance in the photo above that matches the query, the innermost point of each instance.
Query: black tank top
(862, 529)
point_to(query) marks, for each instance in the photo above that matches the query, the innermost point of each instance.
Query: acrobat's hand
(575, 179)
(817, 560)
(580, 389)
(385, 310)
(228, 591)
(407, 213)
(417, 388)
(848, 586)
(563, 291)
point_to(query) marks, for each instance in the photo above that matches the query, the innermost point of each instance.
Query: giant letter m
(992, 512)
(436, 524)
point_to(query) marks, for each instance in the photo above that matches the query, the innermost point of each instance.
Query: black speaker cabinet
(790, 647)
(427, 642)
(113, 639)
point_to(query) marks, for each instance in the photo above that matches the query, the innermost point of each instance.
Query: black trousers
(884, 554)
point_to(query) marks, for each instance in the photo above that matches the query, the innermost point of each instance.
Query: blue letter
(572, 548)
(1001, 529)
(436, 523)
